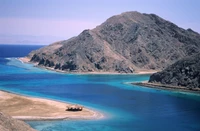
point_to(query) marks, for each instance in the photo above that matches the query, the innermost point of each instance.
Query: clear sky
(46, 21)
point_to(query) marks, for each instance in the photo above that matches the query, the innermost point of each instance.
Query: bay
(126, 107)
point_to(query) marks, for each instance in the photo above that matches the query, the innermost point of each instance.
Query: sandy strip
(167, 87)
(143, 72)
(139, 72)
(30, 108)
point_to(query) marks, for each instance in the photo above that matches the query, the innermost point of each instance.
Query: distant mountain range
(27, 39)
(125, 43)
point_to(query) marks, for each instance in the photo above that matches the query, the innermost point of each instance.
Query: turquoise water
(127, 107)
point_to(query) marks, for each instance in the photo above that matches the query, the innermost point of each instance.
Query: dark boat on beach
(74, 108)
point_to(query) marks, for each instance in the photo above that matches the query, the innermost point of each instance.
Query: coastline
(31, 108)
(166, 87)
(140, 72)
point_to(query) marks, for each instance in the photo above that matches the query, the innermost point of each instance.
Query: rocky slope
(7, 123)
(185, 72)
(124, 43)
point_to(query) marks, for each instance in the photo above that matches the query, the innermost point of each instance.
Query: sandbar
(31, 108)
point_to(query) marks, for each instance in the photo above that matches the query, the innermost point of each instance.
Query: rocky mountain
(185, 72)
(7, 123)
(124, 43)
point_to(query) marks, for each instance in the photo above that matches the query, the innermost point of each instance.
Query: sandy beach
(30, 108)
(24, 59)
(143, 72)
(139, 72)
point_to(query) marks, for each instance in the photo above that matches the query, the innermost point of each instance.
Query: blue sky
(46, 21)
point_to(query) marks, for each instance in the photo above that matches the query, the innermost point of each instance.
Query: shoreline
(32, 109)
(166, 87)
(141, 72)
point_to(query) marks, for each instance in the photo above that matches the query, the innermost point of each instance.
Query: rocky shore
(7, 123)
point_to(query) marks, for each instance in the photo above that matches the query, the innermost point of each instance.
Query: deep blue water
(16, 50)
(127, 107)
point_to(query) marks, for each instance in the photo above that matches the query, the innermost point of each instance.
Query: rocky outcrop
(7, 123)
(124, 43)
(185, 72)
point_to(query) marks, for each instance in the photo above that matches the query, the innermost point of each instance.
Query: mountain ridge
(124, 43)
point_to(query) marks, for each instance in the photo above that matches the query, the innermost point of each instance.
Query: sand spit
(30, 108)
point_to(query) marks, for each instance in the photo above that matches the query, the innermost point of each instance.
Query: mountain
(124, 43)
(7, 123)
(185, 72)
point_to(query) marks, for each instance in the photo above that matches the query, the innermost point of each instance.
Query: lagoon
(127, 107)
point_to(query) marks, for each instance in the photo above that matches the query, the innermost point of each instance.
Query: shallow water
(127, 107)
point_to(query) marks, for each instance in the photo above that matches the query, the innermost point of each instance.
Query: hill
(125, 43)
(185, 72)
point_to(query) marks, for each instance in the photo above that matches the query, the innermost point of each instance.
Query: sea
(126, 107)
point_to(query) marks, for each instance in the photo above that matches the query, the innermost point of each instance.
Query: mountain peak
(132, 16)
(131, 13)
